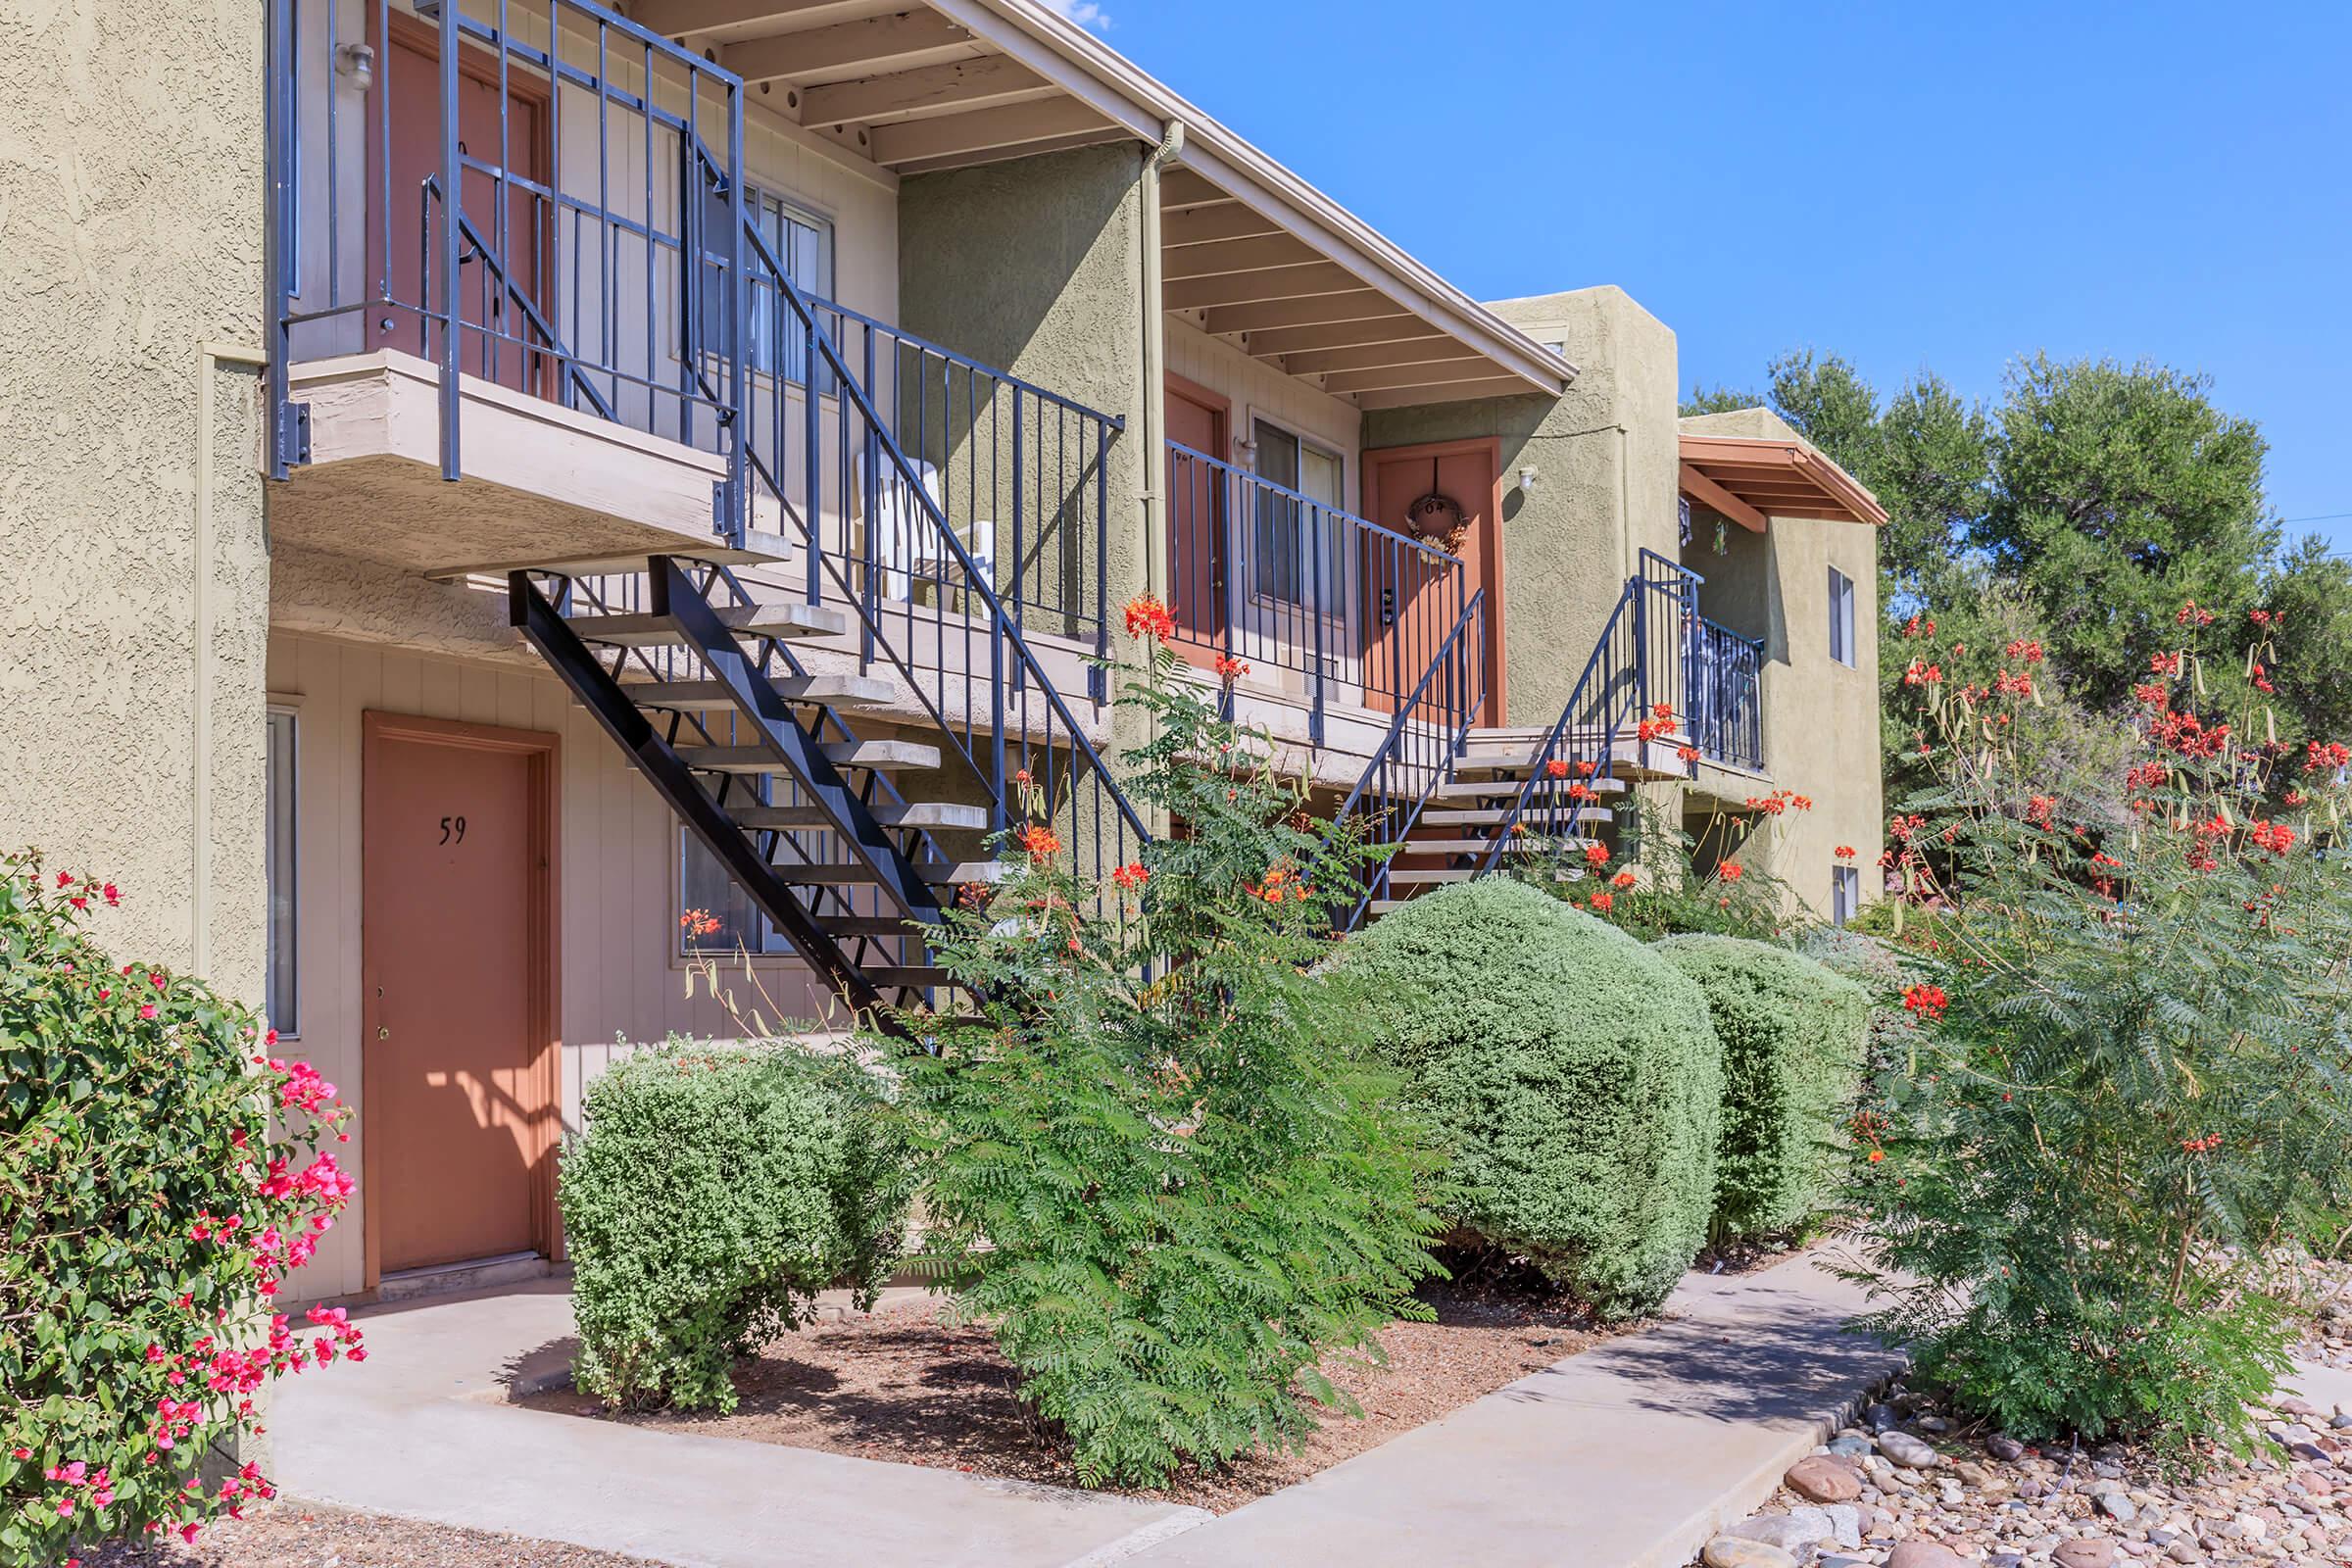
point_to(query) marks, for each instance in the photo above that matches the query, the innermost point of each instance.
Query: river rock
(1734, 1551)
(1924, 1554)
(2085, 1552)
(1907, 1450)
(1824, 1479)
(2004, 1448)
(1793, 1531)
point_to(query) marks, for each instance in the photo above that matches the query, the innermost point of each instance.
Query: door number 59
(453, 830)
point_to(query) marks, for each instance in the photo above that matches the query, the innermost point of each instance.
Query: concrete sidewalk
(421, 1430)
(1625, 1456)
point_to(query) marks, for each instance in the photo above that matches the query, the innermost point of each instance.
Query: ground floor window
(704, 885)
(1845, 892)
(1299, 546)
(278, 863)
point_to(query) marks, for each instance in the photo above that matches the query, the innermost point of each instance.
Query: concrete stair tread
(847, 691)
(867, 925)
(789, 620)
(938, 873)
(911, 814)
(1402, 875)
(1495, 815)
(1508, 789)
(841, 753)
(1438, 845)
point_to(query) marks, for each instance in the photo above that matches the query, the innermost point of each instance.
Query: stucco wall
(130, 217)
(1820, 718)
(1605, 487)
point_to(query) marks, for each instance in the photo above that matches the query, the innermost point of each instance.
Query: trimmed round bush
(716, 1190)
(1793, 1037)
(1571, 1073)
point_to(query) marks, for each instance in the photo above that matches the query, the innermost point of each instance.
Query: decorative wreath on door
(1437, 518)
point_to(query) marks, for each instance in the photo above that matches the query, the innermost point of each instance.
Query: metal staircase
(1457, 805)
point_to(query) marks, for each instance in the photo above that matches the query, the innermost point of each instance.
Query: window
(1845, 892)
(279, 871)
(704, 884)
(1841, 616)
(1298, 549)
(802, 241)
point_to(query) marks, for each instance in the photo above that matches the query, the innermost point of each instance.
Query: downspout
(209, 358)
(1155, 350)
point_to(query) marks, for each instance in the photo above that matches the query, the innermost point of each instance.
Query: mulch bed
(901, 1385)
(308, 1535)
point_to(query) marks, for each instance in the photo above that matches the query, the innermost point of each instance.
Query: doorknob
(382, 1033)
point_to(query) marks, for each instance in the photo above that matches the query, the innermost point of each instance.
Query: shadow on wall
(1742, 587)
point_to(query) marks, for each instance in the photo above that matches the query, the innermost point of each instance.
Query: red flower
(1688, 754)
(1554, 767)
(1844, 852)
(1597, 855)
(1876, 1155)
(1929, 1002)
(1134, 875)
(1040, 842)
(1730, 870)
(1662, 709)
(1231, 669)
(1623, 879)
(1603, 903)
(1149, 617)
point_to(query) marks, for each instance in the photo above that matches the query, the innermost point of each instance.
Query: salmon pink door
(1197, 503)
(493, 287)
(458, 1089)
(1409, 603)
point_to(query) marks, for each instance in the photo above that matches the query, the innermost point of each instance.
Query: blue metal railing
(562, 266)
(1275, 578)
(1723, 689)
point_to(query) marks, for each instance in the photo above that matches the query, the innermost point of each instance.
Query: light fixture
(358, 62)
(1527, 479)
(1247, 452)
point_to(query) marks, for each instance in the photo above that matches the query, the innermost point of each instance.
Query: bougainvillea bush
(713, 1192)
(1794, 1036)
(161, 1171)
(2132, 1057)
(1570, 1073)
(1164, 1164)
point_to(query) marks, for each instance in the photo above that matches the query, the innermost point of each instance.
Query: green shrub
(1792, 1036)
(716, 1190)
(1171, 1198)
(1571, 1072)
(160, 1174)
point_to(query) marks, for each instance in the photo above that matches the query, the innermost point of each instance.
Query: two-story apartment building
(495, 477)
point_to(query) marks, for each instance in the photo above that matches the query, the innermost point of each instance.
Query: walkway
(1626, 1457)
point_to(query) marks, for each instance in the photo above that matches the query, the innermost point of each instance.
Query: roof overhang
(1749, 479)
(1250, 251)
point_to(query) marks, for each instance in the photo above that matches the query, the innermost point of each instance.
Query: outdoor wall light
(358, 62)
(1527, 479)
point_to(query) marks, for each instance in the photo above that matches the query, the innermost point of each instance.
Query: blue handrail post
(1317, 595)
(276, 108)
(737, 417)
(453, 205)
(1098, 680)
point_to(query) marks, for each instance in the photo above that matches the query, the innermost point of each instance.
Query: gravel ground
(901, 1385)
(304, 1535)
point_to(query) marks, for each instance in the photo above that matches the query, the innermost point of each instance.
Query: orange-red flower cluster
(2029, 652)
(1280, 883)
(698, 922)
(1603, 903)
(1730, 870)
(1929, 1002)
(1844, 852)
(2186, 734)
(1040, 842)
(1229, 669)
(1780, 800)
(2165, 664)
(1623, 879)
(1134, 875)
(1916, 628)
(2202, 1146)
(2275, 837)
(1923, 673)
(1556, 768)
(2193, 615)
(2327, 756)
(1149, 617)
(1597, 855)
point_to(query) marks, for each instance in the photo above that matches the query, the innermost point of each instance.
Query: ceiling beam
(1205, 226)
(877, 100)
(868, 45)
(1715, 498)
(1355, 305)
(1471, 365)
(1371, 355)
(1383, 328)
(1181, 187)
(1501, 386)
(983, 131)
(674, 19)
(1027, 149)
(1266, 283)
(1236, 256)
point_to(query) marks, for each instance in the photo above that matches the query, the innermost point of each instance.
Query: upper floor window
(1297, 549)
(278, 868)
(1841, 616)
(802, 241)
(1846, 894)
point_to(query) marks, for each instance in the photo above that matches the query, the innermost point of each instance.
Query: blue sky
(1908, 184)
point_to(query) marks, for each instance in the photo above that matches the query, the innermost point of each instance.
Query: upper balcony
(552, 288)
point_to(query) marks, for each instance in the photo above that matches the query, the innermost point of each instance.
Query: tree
(2119, 493)
(2309, 596)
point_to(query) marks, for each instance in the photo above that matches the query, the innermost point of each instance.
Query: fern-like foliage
(2131, 1069)
(1163, 1166)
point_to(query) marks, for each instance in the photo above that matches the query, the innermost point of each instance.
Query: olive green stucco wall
(1820, 718)
(1605, 486)
(130, 218)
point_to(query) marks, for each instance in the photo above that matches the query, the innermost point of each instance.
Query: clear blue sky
(1906, 184)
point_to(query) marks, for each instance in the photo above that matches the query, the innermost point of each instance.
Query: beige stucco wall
(1605, 487)
(1820, 718)
(617, 876)
(130, 220)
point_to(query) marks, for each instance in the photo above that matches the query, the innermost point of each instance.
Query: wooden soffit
(1749, 479)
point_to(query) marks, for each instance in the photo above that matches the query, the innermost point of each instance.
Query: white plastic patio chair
(906, 542)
